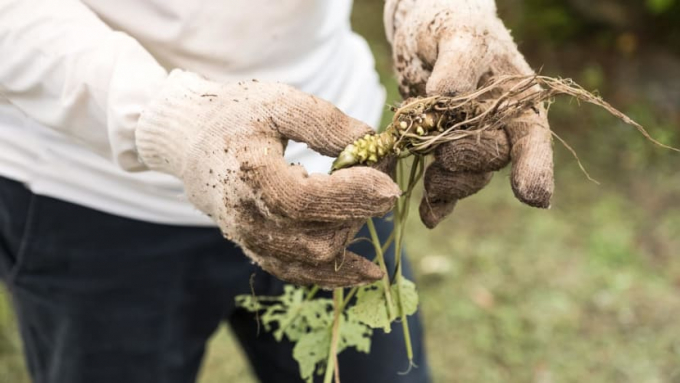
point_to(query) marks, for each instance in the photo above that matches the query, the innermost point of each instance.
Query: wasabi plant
(321, 327)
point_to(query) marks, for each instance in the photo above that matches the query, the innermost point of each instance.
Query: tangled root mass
(419, 125)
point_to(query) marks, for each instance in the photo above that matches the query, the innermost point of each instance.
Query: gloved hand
(226, 144)
(449, 47)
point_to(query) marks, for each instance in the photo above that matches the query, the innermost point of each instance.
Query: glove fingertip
(432, 213)
(536, 193)
(372, 188)
(366, 270)
(532, 178)
(348, 270)
(533, 183)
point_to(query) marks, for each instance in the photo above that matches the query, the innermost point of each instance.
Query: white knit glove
(226, 144)
(448, 47)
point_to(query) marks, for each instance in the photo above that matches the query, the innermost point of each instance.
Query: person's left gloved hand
(450, 47)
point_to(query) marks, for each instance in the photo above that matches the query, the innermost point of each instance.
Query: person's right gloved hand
(452, 47)
(226, 143)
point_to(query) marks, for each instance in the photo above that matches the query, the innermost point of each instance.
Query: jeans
(106, 299)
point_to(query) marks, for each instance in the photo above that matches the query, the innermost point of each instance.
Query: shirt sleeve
(65, 68)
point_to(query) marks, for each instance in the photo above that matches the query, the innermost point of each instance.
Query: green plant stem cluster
(394, 309)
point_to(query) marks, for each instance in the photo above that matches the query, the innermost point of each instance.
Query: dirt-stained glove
(226, 144)
(449, 47)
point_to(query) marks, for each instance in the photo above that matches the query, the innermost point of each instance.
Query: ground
(586, 291)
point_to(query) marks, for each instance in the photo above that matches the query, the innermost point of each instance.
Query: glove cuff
(166, 130)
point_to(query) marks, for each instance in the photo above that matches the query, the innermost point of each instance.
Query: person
(146, 146)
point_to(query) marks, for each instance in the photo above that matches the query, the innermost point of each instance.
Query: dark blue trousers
(105, 299)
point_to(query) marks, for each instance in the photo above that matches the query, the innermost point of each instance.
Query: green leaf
(290, 313)
(292, 295)
(308, 323)
(305, 317)
(310, 349)
(354, 333)
(371, 307)
(248, 302)
(273, 315)
(318, 313)
(409, 296)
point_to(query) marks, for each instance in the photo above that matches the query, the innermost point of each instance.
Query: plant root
(419, 125)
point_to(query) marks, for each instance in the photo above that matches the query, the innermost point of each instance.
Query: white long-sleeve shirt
(75, 76)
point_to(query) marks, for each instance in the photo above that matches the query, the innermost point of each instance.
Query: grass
(586, 291)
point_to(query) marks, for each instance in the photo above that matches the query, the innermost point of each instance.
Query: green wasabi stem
(371, 148)
(416, 173)
(366, 150)
(346, 158)
(383, 266)
(332, 368)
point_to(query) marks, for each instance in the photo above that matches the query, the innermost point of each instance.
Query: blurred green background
(588, 291)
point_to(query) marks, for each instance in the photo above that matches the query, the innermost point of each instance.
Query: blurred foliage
(658, 7)
(587, 291)
(11, 364)
(536, 19)
(559, 22)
